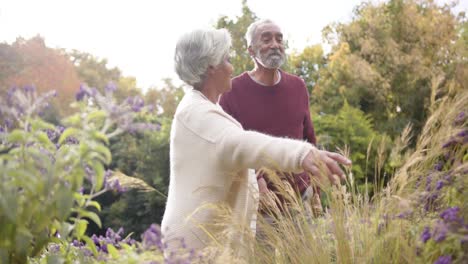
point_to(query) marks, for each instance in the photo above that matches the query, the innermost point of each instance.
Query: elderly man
(269, 100)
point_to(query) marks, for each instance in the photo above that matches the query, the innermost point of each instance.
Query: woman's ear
(211, 70)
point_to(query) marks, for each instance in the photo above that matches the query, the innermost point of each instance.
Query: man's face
(268, 47)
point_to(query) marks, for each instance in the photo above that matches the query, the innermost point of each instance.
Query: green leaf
(112, 251)
(43, 138)
(90, 244)
(94, 204)
(38, 124)
(100, 136)
(105, 151)
(73, 120)
(92, 216)
(64, 200)
(16, 136)
(80, 228)
(100, 114)
(71, 131)
(99, 170)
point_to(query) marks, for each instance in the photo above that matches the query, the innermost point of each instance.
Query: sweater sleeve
(248, 149)
(240, 149)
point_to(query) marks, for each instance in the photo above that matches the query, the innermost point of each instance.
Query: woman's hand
(325, 163)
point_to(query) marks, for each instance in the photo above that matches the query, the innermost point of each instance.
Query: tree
(93, 71)
(308, 64)
(391, 61)
(165, 99)
(31, 62)
(353, 129)
(240, 58)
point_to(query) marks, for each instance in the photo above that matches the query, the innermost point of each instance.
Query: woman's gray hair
(199, 49)
(249, 35)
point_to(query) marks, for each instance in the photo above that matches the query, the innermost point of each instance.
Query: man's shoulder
(291, 77)
(241, 78)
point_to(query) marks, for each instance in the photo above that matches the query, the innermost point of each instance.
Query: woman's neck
(210, 93)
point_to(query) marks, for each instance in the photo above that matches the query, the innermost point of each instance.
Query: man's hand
(321, 162)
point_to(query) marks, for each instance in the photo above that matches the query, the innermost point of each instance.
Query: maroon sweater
(280, 110)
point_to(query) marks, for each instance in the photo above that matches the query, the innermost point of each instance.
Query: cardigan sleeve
(240, 149)
(249, 149)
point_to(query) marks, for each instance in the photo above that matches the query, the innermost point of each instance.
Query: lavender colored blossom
(80, 95)
(444, 260)
(439, 185)
(448, 178)
(426, 234)
(428, 182)
(29, 89)
(451, 214)
(438, 167)
(449, 143)
(430, 200)
(144, 127)
(54, 248)
(152, 238)
(463, 133)
(110, 87)
(440, 231)
(405, 214)
(89, 171)
(113, 184)
(460, 118)
(24, 102)
(136, 103)
(10, 94)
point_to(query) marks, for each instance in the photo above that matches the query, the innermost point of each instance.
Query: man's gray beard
(271, 61)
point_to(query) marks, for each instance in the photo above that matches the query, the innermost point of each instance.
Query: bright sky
(139, 36)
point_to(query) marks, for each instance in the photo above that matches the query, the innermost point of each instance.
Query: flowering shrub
(43, 169)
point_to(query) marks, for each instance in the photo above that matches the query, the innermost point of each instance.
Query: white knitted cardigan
(210, 155)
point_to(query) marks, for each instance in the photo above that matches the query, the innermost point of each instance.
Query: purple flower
(430, 201)
(152, 238)
(54, 248)
(460, 118)
(8, 123)
(95, 239)
(463, 133)
(428, 182)
(77, 243)
(444, 260)
(10, 95)
(29, 89)
(405, 214)
(449, 143)
(115, 186)
(81, 93)
(439, 185)
(440, 231)
(110, 87)
(136, 103)
(426, 234)
(451, 214)
(438, 166)
(89, 172)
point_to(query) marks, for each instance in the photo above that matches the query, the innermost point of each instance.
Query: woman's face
(223, 74)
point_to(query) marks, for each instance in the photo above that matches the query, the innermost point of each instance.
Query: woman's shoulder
(203, 117)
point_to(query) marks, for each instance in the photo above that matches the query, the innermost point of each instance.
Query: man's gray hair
(199, 49)
(249, 35)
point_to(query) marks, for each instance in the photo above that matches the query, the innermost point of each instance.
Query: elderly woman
(210, 153)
